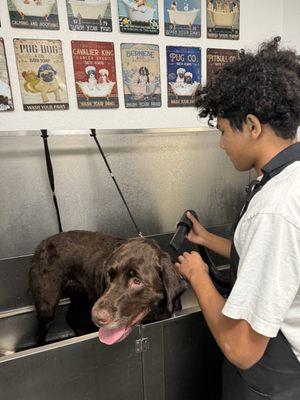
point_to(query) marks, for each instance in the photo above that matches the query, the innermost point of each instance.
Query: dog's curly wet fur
(115, 277)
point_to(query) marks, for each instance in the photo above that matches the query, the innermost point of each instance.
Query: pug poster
(217, 59)
(95, 74)
(141, 75)
(89, 15)
(33, 14)
(138, 16)
(184, 75)
(182, 18)
(6, 102)
(41, 74)
(223, 19)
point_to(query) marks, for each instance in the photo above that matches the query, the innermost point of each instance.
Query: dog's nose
(102, 317)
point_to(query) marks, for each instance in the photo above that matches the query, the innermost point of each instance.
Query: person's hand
(197, 233)
(191, 265)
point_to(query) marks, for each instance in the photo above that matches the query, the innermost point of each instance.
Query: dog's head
(188, 77)
(141, 283)
(46, 73)
(3, 100)
(90, 71)
(103, 73)
(144, 71)
(180, 72)
(140, 2)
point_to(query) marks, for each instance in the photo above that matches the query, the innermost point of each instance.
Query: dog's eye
(131, 273)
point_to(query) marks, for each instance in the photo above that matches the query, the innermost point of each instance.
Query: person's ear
(254, 126)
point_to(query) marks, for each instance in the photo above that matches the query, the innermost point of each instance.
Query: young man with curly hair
(256, 101)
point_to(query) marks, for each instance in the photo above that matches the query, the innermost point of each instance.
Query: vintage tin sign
(184, 75)
(141, 75)
(138, 16)
(223, 19)
(217, 59)
(182, 18)
(95, 74)
(6, 102)
(89, 15)
(41, 74)
(33, 14)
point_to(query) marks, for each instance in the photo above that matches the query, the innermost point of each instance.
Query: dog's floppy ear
(100, 282)
(173, 282)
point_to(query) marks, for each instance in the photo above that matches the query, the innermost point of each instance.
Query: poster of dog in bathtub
(95, 74)
(138, 16)
(33, 14)
(217, 59)
(141, 75)
(41, 74)
(223, 19)
(184, 75)
(182, 18)
(89, 15)
(6, 102)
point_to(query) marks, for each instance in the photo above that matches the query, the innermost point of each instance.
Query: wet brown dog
(124, 282)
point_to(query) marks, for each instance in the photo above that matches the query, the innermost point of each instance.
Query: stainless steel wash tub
(172, 359)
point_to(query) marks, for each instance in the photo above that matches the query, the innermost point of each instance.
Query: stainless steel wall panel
(183, 361)
(160, 175)
(198, 354)
(153, 363)
(14, 290)
(18, 329)
(175, 365)
(77, 369)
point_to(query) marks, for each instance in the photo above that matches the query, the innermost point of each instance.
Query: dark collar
(282, 160)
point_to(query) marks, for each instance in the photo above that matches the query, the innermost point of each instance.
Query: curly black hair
(265, 84)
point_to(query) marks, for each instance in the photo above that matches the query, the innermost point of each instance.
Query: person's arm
(218, 244)
(199, 235)
(241, 345)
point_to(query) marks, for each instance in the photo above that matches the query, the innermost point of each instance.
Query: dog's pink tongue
(111, 336)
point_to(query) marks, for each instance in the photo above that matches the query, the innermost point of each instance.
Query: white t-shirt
(267, 290)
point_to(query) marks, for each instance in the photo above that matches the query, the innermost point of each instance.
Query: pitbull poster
(141, 75)
(138, 16)
(223, 19)
(89, 15)
(6, 102)
(33, 14)
(95, 74)
(182, 18)
(184, 75)
(217, 59)
(41, 74)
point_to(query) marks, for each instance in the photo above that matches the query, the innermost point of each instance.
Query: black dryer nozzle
(183, 228)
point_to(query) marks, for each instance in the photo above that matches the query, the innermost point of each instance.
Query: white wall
(291, 23)
(291, 27)
(260, 19)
